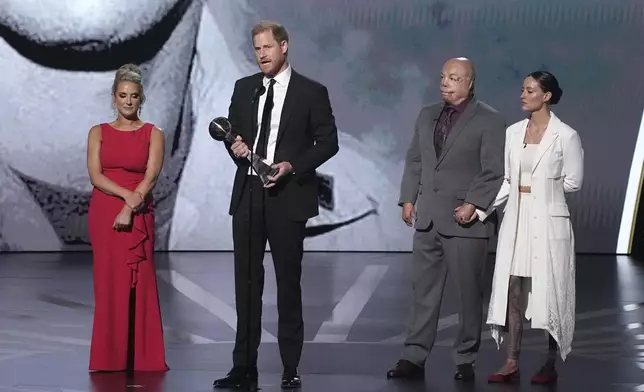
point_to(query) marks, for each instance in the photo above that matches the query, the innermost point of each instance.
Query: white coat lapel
(549, 137)
(518, 144)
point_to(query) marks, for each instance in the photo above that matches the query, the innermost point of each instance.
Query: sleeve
(234, 116)
(504, 191)
(325, 135)
(412, 173)
(573, 164)
(486, 184)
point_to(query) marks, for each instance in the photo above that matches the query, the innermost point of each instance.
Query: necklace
(534, 133)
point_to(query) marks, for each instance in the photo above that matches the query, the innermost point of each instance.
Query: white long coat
(557, 169)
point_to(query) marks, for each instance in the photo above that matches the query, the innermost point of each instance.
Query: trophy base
(263, 175)
(262, 168)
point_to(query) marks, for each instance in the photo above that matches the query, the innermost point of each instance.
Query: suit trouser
(434, 255)
(253, 225)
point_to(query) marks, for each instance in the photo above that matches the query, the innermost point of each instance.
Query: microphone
(258, 92)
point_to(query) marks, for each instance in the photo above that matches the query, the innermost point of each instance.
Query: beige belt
(525, 189)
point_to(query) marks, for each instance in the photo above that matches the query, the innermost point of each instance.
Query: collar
(281, 79)
(461, 106)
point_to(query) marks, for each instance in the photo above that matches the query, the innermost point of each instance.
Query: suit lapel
(254, 107)
(464, 118)
(549, 136)
(429, 129)
(290, 102)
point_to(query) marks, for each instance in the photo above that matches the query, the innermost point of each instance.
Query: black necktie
(265, 128)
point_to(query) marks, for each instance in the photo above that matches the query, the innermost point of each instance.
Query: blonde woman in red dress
(124, 159)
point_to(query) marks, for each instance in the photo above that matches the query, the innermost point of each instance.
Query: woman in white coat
(534, 276)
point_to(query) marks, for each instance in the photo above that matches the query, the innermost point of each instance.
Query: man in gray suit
(453, 167)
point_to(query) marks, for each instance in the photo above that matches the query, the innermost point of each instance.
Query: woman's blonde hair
(129, 73)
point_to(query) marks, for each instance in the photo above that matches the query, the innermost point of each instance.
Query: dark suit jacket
(469, 169)
(307, 138)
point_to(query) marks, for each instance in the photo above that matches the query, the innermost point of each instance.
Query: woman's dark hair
(548, 84)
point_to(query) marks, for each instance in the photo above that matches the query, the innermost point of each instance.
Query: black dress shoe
(291, 379)
(464, 372)
(406, 369)
(239, 378)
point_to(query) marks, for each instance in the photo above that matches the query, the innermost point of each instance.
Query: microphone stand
(250, 258)
(256, 94)
(221, 129)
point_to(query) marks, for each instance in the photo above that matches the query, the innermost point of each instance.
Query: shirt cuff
(482, 215)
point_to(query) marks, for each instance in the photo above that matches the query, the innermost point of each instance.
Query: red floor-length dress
(124, 260)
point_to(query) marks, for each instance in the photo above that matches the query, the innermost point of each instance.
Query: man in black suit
(290, 120)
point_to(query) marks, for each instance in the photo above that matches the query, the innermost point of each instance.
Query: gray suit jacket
(470, 169)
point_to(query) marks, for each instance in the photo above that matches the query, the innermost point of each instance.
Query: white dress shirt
(279, 94)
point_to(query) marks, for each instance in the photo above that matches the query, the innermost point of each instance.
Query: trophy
(220, 130)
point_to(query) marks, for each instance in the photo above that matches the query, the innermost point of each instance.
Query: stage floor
(355, 309)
